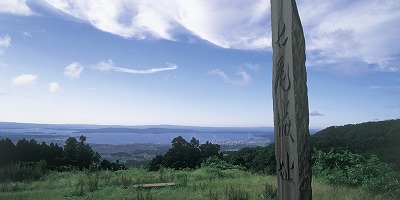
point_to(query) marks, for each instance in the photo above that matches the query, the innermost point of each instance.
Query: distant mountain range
(114, 134)
(15, 125)
(151, 129)
(138, 129)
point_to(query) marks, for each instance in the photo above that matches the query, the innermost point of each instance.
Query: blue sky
(191, 62)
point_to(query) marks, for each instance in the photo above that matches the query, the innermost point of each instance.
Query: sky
(191, 62)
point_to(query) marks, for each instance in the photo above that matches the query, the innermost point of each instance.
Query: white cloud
(316, 113)
(244, 79)
(73, 70)
(5, 42)
(25, 79)
(17, 7)
(357, 35)
(110, 66)
(226, 23)
(54, 87)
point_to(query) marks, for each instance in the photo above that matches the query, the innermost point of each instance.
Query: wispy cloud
(5, 42)
(244, 77)
(373, 87)
(26, 34)
(391, 90)
(110, 66)
(316, 113)
(25, 79)
(251, 66)
(73, 70)
(3, 65)
(54, 87)
(356, 35)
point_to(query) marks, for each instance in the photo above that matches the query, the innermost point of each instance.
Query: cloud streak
(244, 79)
(110, 66)
(316, 113)
(25, 80)
(347, 36)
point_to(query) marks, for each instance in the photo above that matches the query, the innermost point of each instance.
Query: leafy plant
(354, 170)
(215, 162)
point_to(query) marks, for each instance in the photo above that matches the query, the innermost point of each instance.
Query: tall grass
(23, 171)
(200, 184)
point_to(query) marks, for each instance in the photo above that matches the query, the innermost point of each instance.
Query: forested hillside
(358, 156)
(379, 138)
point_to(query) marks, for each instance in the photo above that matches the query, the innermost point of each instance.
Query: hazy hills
(128, 129)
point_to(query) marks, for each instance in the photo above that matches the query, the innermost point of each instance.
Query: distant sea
(60, 135)
(156, 134)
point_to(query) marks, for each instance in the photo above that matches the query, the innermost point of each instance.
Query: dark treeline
(185, 154)
(75, 154)
(29, 151)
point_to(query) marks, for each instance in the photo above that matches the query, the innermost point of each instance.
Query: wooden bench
(153, 185)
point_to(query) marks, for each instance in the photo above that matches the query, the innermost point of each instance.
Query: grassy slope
(198, 184)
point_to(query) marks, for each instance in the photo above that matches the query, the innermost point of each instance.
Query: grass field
(205, 183)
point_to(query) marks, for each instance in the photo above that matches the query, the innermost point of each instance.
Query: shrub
(215, 162)
(349, 169)
(27, 171)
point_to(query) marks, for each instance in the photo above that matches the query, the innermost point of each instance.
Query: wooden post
(292, 138)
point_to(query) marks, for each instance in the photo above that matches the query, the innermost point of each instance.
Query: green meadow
(204, 183)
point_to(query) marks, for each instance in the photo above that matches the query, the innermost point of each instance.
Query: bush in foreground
(354, 170)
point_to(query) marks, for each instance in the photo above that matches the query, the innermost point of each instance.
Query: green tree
(209, 149)
(79, 154)
(193, 154)
(7, 152)
(86, 155)
(156, 163)
(71, 151)
(176, 157)
(185, 154)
